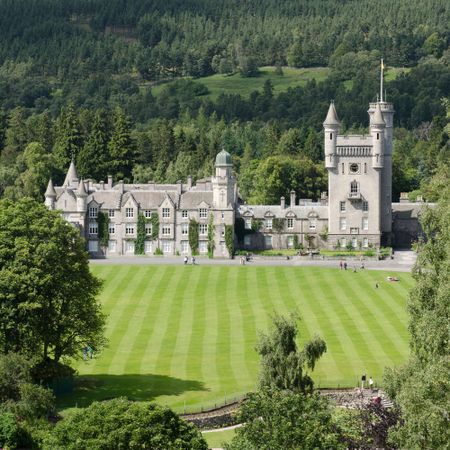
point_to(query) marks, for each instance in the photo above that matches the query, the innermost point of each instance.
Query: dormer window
(203, 213)
(166, 213)
(129, 213)
(93, 212)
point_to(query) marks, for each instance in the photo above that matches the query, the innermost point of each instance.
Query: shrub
(9, 431)
(158, 251)
(121, 424)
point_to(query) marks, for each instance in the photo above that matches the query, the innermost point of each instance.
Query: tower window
(354, 189)
(365, 167)
(331, 136)
(378, 136)
(343, 168)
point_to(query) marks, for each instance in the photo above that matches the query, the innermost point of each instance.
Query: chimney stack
(110, 182)
(189, 181)
(292, 198)
(283, 202)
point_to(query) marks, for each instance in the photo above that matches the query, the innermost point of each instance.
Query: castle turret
(50, 195)
(71, 179)
(81, 197)
(331, 127)
(377, 128)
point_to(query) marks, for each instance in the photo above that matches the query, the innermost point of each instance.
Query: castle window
(203, 247)
(247, 240)
(93, 212)
(354, 168)
(378, 136)
(112, 246)
(129, 247)
(342, 223)
(111, 213)
(112, 229)
(365, 223)
(365, 206)
(93, 246)
(148, 246)
(129, 213)
(203, 213)
(354, 188)
(343, 168)
(129, 230)
(312, 224)
(248, 224)
(354, 242)
(268, 241)
(184, 246)
(365, 167)
(365, 242)
(331, 136)
(354, 230)
(222, 215)
(166, 231)
(93, 228)
(148, 229)
(290, 242)
(290, 223)
(203, 229)
(147, 213)
(184, 214)
(166, 213)
(184, 229)
(342, 206)
(269, 224)
(167, 247)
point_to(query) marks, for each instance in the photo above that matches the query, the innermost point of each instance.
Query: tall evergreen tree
(120, 146)
(94, 158)
(68, 137)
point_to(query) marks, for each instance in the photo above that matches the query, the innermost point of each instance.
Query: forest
(77, 80)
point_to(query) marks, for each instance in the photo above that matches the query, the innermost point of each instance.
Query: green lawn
(215, 439)
(185, 336)
(235, 84)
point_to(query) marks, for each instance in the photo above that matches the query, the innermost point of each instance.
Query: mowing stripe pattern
(185, 335)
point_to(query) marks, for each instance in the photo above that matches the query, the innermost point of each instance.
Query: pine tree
(120, 146)
(68, 137)
(94, 158)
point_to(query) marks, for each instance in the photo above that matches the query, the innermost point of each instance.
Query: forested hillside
(77, 80)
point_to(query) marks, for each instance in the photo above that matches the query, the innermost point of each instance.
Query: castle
(357, 212)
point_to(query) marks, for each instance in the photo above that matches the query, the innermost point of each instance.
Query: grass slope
(216, 439)
(185, 336)
(235, 84)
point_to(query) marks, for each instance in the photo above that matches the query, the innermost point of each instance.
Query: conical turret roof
(50, 192)
(81, 191)
(377, 118)
(72, 176)
(332, 118)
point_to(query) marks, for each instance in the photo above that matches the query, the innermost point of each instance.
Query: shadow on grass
(89, 388)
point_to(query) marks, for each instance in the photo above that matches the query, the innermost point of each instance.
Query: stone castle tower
(360, 179)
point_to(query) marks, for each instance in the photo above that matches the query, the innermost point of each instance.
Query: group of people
(343, 265)
(186, 260)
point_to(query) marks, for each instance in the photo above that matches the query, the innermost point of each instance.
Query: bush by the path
(120, 424)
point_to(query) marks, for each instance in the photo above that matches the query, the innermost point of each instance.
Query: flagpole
(381, 80)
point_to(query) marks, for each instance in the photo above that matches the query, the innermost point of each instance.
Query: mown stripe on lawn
(131, 347)
(159, 322)
(367, 318)
(210, 374)
(318, 322)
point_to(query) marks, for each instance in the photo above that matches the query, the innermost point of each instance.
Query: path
(403, 261)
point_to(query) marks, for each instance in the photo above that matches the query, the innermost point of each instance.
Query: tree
(120, 146)
(285, 420)
(139, 244)
(120, 423)
(93, 158)
(421, 387)
(283, 366)
(48, 304)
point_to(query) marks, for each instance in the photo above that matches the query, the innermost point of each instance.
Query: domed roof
(223, 159)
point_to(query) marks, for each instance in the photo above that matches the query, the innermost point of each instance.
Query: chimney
(292, 198)
(121, 186)
(189, 182)
(404, 197)
(283, 202)
(102, 185)
(110, 185)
